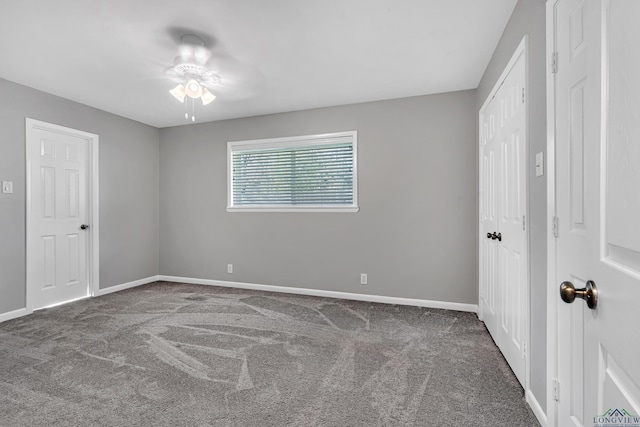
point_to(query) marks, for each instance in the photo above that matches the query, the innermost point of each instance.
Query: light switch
(7, 187)
(539, 164)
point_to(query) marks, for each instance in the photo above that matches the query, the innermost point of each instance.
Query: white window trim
(292, 141)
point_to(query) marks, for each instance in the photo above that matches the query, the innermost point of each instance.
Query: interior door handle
(498, 236)
(84, 226)
(569, 293)
(490, 236)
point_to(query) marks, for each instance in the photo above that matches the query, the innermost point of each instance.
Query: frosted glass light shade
(178, 92)
(207, 96)
(193, 89)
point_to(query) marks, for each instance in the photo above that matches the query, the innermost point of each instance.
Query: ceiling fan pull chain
(193, 109)
(186, 109)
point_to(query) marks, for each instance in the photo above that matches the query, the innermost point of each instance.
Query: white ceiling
(289, 54)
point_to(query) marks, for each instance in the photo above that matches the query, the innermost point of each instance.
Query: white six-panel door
(489, 175)
(597, 188)
(57, 245)
(512, 249)
(503, 205)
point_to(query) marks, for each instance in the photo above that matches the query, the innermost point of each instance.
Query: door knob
(489, 236)
(569, 293)
(498, 236)
(84, 226)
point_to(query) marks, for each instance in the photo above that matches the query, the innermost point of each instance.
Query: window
(306, 173)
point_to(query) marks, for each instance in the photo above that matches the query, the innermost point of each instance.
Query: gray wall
(416, 232)
(529, 18)
(128, 188)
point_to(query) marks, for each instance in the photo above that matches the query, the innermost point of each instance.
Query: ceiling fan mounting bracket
(192, 39)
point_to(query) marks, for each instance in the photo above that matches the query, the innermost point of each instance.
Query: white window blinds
(310, 173)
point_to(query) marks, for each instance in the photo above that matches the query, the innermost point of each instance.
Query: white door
(489, 163)
(512, 235)
(58, 233)
(504, 249)
(597, 149)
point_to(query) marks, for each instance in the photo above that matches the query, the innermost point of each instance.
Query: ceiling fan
(203, 75)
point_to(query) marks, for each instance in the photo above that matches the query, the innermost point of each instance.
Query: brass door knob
(569, 293)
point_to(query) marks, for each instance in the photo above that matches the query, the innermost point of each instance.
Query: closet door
(490, 294)
(504, 257)
(512, 234)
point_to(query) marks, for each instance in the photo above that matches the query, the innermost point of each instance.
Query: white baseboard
(536, 408)
(13, 314)
(24, 311)
(110, 289)
(473, 308)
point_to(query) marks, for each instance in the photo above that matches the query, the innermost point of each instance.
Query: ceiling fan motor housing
(188, 70)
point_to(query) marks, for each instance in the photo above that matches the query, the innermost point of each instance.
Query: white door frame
(93, 245)
(521, 50)
(552, 268)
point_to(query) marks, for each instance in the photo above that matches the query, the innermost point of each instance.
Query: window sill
(292, 209)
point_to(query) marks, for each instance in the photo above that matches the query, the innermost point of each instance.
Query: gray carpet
(169, 354)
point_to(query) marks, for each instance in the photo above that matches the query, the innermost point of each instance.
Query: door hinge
(524, 350)
(555, 226)
(554, 62)
(555, 389)
(523, 95)
(523, 223)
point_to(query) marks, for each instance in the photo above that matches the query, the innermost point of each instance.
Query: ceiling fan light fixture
(207, 97)
(191, 70)
(193, 89)
(179, 92)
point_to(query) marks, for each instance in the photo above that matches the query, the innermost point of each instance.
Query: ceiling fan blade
(238, 80)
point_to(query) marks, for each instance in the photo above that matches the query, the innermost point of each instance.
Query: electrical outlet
(229, 268)
(363, 279)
